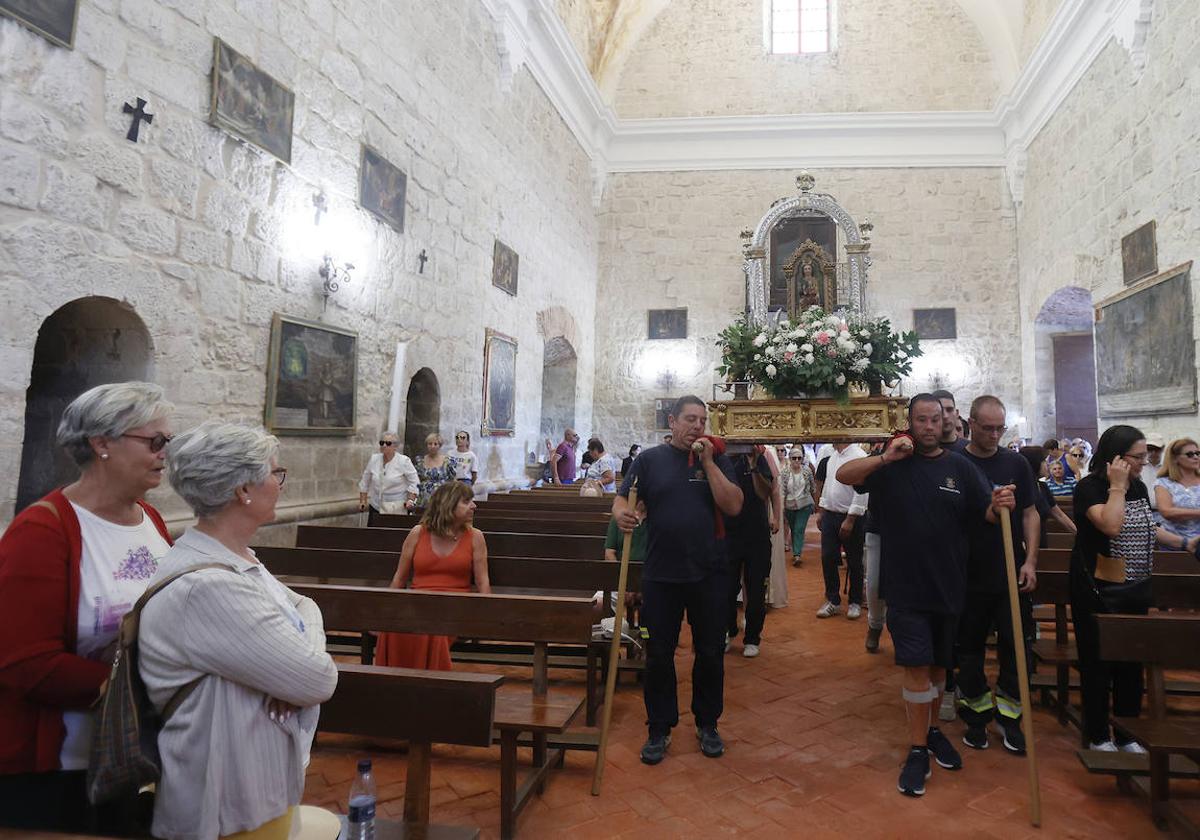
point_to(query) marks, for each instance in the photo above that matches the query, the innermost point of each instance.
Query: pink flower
(787, 357)
(822, 337)
(831, 352)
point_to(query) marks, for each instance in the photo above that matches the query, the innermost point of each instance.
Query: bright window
(799, 26)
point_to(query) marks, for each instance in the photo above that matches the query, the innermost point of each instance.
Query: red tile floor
(815, 733)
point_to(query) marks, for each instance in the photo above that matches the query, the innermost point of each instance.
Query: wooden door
(1075, 386)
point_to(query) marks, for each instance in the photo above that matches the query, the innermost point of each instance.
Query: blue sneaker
(655, 749)
(916, 771)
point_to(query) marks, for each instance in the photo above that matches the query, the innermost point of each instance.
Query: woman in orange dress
(443, 553)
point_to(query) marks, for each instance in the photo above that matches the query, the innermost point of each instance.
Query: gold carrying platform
(864, 419)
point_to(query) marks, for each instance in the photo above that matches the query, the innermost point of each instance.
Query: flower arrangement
(737, 349)
(821, 353)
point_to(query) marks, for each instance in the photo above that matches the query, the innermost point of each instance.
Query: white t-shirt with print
(464, 463)
(114, 569)
(605, 463)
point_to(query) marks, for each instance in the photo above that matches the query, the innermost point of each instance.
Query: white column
(394, 406)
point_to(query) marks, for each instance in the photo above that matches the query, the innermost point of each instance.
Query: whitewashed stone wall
(1117, 154)
(206, 237)
(580, 17)
(1038, 14)
(707, 58)
(942, 238)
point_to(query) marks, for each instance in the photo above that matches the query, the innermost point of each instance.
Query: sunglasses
(157, 442)
(387, 443)
(460, 437)
(1191, 453)
(1077, 454)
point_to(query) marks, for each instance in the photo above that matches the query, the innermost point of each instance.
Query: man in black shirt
(926, 506)
(987, 585)
(749, 546)
(686, 491)
(950, 438)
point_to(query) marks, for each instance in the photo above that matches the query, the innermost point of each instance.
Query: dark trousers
(57, 801)
(832, 545)
(662, 614)
(749, 566)
(976, 705)
(1097, 678)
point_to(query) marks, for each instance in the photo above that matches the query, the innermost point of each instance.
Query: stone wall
(1120, 151)
(1038, 14)
(942, 238)
(205, 237)
(707, 58)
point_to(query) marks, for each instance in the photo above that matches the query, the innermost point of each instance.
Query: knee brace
(928, 695)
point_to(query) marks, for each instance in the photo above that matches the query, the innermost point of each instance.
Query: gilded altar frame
(808, 421)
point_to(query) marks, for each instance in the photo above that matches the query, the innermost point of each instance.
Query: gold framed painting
(312, 372)
(54, 20)
(499, 385)
(250, 104)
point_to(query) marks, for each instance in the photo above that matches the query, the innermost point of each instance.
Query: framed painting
(311, 378)
(1139, 253)
(935, 324)
(1146, 348)
(504, 268)
(667, 323)
(381, 188)
(662, 410)
(249, 104)
(54, 20)
(499, 384)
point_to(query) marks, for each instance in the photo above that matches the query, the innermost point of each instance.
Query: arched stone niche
(422, 412)
(87, 342)
(855, 241)
(559, 378)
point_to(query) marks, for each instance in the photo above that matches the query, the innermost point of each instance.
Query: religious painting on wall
(662, 410)
(1146, 348)
(935, 324)
(311, 378)
(381, 188)
(1139, 254)
(504, 268)
(250, 104)
(499, 384)
(667, 323)
(52, 19)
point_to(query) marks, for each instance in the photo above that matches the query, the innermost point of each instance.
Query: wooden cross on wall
(139, 114)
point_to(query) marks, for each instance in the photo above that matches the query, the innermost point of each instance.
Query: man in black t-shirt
(950, 438)
(748, 543)
(686, 491)
(987, 585)
(926, 505)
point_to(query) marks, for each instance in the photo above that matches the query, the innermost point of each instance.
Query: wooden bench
(579, 504)
(585, 524)
(557, 546)
(1165, 562)
(421, 707)
(1159, 642)
(540, 620)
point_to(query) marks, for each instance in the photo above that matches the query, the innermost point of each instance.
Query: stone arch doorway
(559, 374)
(87, 342)
(1065, 361)
(422, 411)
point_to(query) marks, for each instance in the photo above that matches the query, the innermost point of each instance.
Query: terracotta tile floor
(815, 734)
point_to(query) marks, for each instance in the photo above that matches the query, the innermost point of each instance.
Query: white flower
(844, 333)
(760, 339)
(758, 357)
(771, 371)
(792, 348)
(800, 334)
(840, 379)
(807, 348)
(810, 358)
(867, 348)
(861, 364)
(900, 354)
(865, 333)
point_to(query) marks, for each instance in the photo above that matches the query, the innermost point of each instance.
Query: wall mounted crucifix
(139, 114)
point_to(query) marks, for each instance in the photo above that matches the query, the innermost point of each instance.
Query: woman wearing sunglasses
(1177, 490)
(71, 565)
(389, 483)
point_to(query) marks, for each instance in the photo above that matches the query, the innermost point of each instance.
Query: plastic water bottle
(361, 818)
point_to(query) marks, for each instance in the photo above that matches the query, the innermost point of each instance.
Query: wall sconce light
(333, 276)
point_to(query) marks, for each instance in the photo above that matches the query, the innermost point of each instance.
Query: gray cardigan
(226, 766)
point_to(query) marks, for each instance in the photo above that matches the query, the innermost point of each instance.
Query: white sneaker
(853, 611)
(1107, 746)
(829, 610)
(1132, 747)
(750, 651)
(946, 709)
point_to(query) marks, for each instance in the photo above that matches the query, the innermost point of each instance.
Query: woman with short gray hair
(244, 653)
(71, 565)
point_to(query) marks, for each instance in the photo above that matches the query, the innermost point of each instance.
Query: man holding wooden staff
(686, 487)
(929, 498)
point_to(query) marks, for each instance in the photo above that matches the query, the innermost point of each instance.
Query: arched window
(795, 27)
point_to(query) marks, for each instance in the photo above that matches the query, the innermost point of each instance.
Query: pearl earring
(103, 456)
(247, 501)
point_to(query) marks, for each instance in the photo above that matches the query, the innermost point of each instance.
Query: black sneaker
(916, 771)
(655, 748)
(710, 742)
(873, 634)
(1014, 738)
(942, 750)
(976, 737)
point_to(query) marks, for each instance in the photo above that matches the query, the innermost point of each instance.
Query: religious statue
(811, 279)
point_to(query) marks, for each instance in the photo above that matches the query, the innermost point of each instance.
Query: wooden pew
(559, 546)
(421, 707)
(1060, 540)
(579, 504)
(1159, 642)
(540, 620)
(1165, 562)
(585, 524)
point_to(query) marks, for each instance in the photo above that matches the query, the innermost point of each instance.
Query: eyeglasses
(280, 474)
(994, 430)
(387, 443)
(157, 442)
(1191, 453)
(1142, 457)
(460, 437)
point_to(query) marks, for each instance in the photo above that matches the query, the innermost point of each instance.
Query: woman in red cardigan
(71, 565)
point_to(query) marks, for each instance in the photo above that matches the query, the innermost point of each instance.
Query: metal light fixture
(333, 276)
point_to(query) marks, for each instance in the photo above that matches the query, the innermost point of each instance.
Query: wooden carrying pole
(614, 653)
(1018, 635)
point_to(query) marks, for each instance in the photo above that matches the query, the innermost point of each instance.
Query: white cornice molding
(530, 33)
